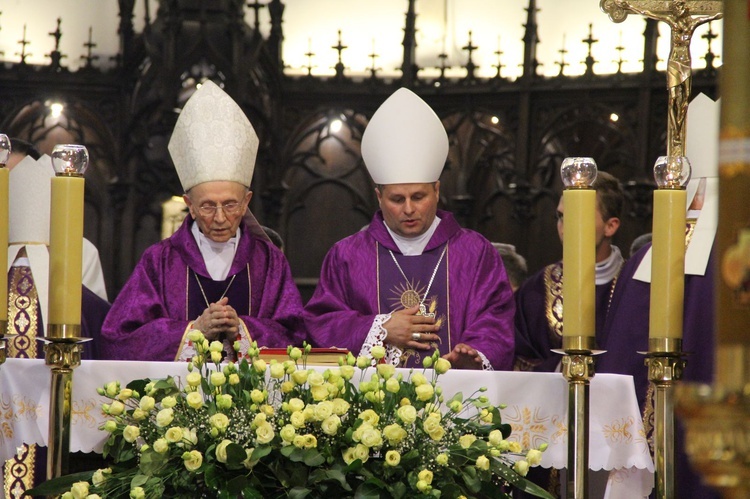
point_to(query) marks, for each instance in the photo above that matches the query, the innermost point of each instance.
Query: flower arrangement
(259, 430)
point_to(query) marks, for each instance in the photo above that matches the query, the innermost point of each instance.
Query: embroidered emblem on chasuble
(554, 302)
(23, 314)
(406, 281)
(18, 473)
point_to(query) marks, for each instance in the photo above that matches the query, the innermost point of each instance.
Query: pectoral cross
(682, 16)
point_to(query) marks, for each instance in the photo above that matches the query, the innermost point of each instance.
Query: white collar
(608, 269)
(217, 256)
(413, 246)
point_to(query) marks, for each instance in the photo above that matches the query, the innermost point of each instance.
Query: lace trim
(486, 366)
(376, 337)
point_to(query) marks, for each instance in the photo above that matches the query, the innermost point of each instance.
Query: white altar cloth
(536, 410)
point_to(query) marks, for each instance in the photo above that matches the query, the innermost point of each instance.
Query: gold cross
(682, 16)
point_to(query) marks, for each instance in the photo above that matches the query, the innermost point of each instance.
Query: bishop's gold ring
(416, 336)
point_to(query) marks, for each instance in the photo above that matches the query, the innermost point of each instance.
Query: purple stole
(24, 315)
(395, 292)
(238, 291)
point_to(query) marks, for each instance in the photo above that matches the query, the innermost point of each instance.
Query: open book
(316, 357)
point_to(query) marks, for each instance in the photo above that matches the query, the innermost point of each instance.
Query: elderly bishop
(212, 274)
(414, 280)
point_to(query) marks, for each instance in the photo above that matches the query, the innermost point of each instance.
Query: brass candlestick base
(578, 369)
(717, 432)
(665, 367)
(62, 355)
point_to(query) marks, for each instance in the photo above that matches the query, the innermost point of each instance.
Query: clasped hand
(219, 321)
(406, 329)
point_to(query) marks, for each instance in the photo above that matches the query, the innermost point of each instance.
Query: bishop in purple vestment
(213, 274)
(414, 281)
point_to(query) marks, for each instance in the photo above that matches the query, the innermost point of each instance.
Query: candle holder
(5, 150)
(665, 360)
(578, 342)
(63, 341)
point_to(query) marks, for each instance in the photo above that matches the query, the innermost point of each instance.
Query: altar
(536, 409)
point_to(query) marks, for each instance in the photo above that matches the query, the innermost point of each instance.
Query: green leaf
(367, 490)
(506, 473)
(59, 485)
(298, 493)
(323, 475)
(236, 485)
(471, 479)
(261, 452)
(313, 458)
(235, 454)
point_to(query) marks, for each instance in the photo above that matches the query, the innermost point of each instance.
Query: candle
(66, 241)
(5, 151)
(579, 248)
(668, 248)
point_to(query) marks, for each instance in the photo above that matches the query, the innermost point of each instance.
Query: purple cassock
(170, 287)
(459, 275)
(539, 318)
(626, 332)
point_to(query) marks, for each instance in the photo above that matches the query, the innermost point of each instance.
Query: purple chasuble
(150, 316)
(539, 318)
(397, 291)
(471, 289)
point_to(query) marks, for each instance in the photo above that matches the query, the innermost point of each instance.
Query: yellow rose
(221, 450)
(392, 385)
(442, 366)
(125, 394)
(277, 371)
(161, 445)
(298, 441)
(495, 437)
(372, 438)
(168, 402)
(521, 467)
(515, 447)
(116, 408)
(310, 442)
(392, 458)
(482, 463)
(299, 377)
(407, 413)
(193, 379)
(296, 404)
(195, 335)
(369, 416)
(137, 493)
(534, 457)
(257, 396)
(248, 463)
(363, 362)
(218, 378)
(331, 425)
(100, 476)
(340, 406)
(287, 387)
(287, 433)
(173, 435)
(297, 419)
(314, 378)
(418, 379)
(424, 392)
(319, 392)
(347, 372)
(264, 433)
(80, 490)
(215, 346)
(348, 456)
(467, 440)
(425, 475)
(322, 410)
(139, 414)
(219, 421)
(437, 434)
(442, 459)
(259, 365)
(192, 460)
(394, 433)
(361, 452)
(423, 486)
(130, 433)
(295, 353)
(234, 379)
(190, 435)
(112, 388)
(164, 417)
(224, 401)
(386, 370)
(194, 400)
(377, 352)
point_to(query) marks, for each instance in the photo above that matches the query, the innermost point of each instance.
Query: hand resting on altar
(464, 357)
(219, 321)
(406, 329)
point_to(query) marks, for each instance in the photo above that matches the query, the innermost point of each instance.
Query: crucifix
(682, 16)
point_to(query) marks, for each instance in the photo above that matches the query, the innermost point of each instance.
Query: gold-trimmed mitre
(405, 141)
(213, 140)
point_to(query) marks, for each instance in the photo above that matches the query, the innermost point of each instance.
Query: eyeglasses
(230, 208)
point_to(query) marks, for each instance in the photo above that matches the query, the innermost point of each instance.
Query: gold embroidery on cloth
(553, 302)
(23, 310)
(18, 472)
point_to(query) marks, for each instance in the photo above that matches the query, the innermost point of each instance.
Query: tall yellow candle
(668, 249)
(3, 245)
(579, 250)
(668, 264)
(579, 262)
(66, 241)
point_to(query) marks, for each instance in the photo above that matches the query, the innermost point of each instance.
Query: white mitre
(213, 140)
(702, 136)
(404, 142)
